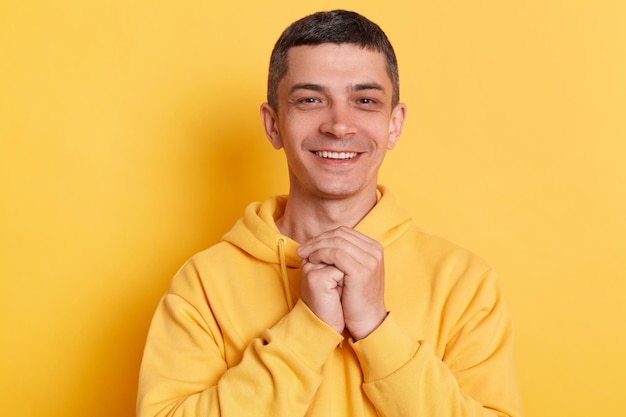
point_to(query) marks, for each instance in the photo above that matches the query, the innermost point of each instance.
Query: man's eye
(366, 101)
(309, 100)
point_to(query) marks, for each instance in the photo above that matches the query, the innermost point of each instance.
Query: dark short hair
(337, 26)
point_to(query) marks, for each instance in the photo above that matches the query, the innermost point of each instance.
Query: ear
(270, 124)
(395, 124)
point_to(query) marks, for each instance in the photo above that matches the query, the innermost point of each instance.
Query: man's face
(334, 120)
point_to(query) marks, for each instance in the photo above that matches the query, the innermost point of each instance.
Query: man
(328, 301)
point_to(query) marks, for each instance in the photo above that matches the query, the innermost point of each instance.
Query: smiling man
(329, 301)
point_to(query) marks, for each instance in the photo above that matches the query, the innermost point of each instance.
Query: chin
(340, 191)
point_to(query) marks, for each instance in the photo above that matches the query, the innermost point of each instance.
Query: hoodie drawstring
(281, 242)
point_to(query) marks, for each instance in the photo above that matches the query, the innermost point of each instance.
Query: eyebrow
(367, 86)
(306, 86)
(353, 87)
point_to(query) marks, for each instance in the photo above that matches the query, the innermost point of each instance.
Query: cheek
(378, 132)
(374, 122)
(297, 128)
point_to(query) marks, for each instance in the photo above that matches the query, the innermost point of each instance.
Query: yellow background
(130, 139)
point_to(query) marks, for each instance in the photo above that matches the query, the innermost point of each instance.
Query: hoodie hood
(257, 234)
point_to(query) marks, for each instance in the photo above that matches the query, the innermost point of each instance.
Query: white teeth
(336, 155)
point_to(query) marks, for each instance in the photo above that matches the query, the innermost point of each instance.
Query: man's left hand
(360, 258)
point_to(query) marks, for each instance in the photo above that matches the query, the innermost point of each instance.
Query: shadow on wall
(238, 164)
(224, 163)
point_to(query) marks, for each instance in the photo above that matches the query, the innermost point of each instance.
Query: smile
(336, 155)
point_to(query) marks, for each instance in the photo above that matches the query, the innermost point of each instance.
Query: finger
(344, 260)
(346, 255)
(323, 276)
(340, 238)
(342, 231)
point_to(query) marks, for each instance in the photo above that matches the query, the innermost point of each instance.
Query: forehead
(334, 64)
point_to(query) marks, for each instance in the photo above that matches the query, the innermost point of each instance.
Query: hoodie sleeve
(475, 377)
(184, 373)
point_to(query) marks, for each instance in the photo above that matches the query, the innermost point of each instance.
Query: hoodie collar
(257, 234)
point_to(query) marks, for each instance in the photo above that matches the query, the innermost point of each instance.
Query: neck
(306, 218)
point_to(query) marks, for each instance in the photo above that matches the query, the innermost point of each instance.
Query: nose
(338, 121)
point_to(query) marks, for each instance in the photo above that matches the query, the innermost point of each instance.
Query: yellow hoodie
(231, 337)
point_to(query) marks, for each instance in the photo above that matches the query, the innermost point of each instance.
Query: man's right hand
(321, 289)
(359, 260)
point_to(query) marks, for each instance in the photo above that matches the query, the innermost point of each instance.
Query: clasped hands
(342, 280)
